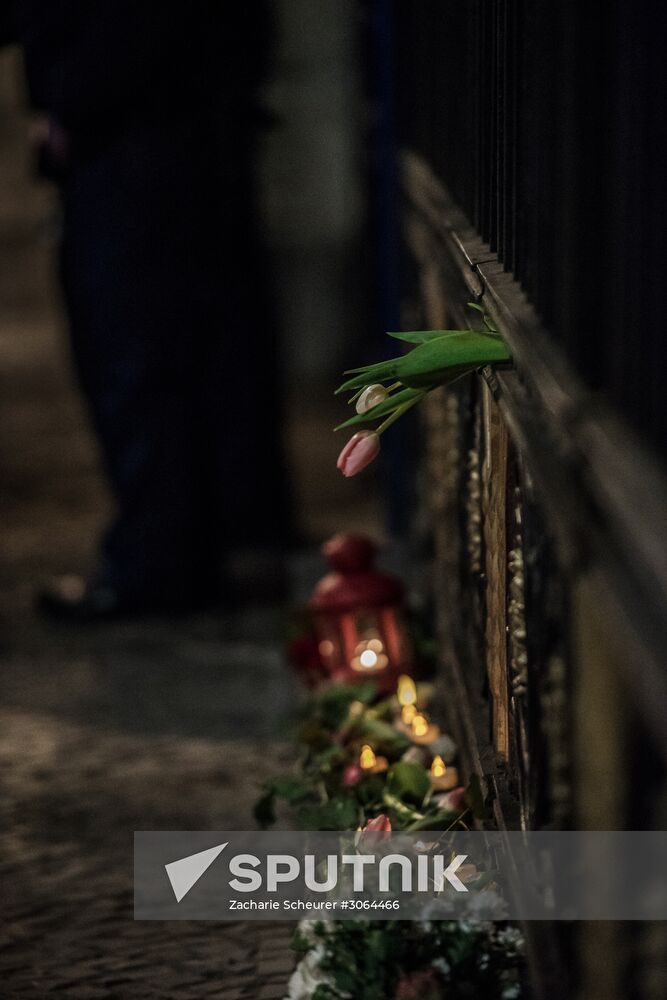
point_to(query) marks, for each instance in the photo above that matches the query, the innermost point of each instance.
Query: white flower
(442, 965)
(510, 938)
(307, 976)
(370, 397)
(307, 930)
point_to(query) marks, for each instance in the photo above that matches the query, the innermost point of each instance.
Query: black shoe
(74, 599)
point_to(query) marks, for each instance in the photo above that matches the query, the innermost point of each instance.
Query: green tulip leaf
(382, 409)
(408, 780)
(384, 736)
(439, 819)
(382, 372)
(433, 362)
(424, 336)
(404, 812)
(292, 788)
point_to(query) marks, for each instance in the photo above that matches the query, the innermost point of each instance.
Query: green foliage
(409, 782)
(299, 942)
(324, 992)
(402, 815)
(438, 357)
(386, 739)
(440, 819)
(312, 734)
(329, 757)
(369, 792)
(291, 788)
(331, 737)
(369, 958)
(330, 709)
(339, 813)
(433, 362)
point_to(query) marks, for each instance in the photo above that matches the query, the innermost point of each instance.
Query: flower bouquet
(383, 392)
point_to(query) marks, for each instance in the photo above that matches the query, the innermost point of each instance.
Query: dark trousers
(173, 338)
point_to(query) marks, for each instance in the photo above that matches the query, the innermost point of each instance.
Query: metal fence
(546, 122)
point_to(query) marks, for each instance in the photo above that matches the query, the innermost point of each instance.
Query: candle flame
(367, 758)
(420, 725)
(438, 767)
(407, 690)
(408, 713)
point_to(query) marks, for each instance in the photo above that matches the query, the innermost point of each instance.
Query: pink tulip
(352, 775)
(381, 824)
(360, 450)
(375, 831)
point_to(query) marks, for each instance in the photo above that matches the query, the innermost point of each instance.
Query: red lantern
(359, 617)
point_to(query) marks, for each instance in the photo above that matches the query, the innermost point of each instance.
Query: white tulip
(370, 397)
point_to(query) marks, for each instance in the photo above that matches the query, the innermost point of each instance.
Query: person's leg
(174, 338)
(241, 397)
(127, 305)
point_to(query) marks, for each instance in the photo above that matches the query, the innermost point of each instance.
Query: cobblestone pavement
(146, 725)
(71, 795)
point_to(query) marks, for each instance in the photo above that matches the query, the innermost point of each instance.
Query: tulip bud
(375, 831)
(370, 397)
(381, 824)
(359, 452)
(352, 775)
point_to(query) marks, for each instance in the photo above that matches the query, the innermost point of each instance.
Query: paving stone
(271, 992)
(151, 724)
(276, 966)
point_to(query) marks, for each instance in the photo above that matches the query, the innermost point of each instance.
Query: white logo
(282, 868)
(183, 874)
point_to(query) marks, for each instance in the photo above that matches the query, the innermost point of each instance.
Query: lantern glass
(367, 643)
(368, 654)
(330, 645)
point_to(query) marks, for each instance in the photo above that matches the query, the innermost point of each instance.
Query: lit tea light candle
(422, 731)
(443, 778)
(369, 656)
(406, 695)
(408, 713)
(370, 763)
(406, 692)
